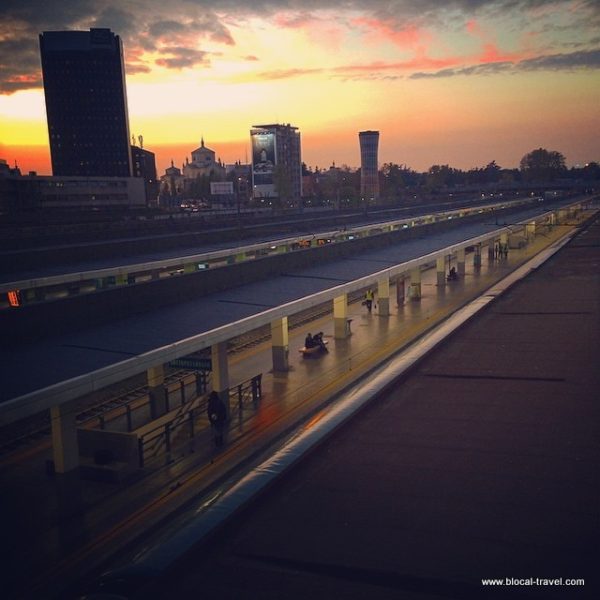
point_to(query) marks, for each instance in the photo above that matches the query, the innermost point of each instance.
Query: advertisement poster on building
(263, 156)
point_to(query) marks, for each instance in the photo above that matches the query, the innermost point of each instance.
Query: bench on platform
(311, 351)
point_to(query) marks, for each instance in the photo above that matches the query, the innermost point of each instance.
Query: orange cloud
(373, 69)
(490, 53)
(409, 36)
(473, 27)
(320, 30)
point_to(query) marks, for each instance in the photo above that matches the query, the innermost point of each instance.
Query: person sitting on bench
(309, 341)
(318, 340)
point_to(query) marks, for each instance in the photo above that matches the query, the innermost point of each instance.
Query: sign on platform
(192, 363)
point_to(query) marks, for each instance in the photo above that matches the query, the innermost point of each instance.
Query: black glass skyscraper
(86, 103)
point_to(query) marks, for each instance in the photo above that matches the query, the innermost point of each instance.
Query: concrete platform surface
(481, 464)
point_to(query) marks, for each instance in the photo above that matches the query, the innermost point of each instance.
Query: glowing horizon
(457, 85)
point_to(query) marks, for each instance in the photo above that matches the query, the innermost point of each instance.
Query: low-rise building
(25, 192)
(144, 166)
(204, 162)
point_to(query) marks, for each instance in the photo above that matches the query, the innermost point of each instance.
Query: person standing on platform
(217, 415)
(369, 296)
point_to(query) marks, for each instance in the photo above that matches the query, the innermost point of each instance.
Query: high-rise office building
(276, 163)
(369, 172)
(86, 103)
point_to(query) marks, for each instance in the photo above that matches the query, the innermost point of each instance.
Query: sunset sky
(458, 82)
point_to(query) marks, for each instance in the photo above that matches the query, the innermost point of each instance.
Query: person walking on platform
(217, 415)
(369, 296)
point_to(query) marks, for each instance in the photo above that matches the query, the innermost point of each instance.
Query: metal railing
(159, 442)
(133, 409)
(246, 393)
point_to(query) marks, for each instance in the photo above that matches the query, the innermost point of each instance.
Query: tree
(440, 176)
(393, 183)
(542, 165)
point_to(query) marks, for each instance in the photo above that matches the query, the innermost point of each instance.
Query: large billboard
(263, 163)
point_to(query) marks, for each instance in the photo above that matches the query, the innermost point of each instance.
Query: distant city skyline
(460, 83)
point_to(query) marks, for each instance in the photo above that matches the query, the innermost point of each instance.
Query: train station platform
(499, 395)
(476, 476)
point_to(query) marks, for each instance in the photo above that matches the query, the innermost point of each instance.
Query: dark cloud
(150, 25)
(208, 25)
(587, 59)
(483, 69)
(21, 74)
(146, 26)
(178, 57)
(214, 28)
(584, 59)
(120, 21)
(21, 22)
(15, 83)
(165, 28)
(45, 15)
(135, 68)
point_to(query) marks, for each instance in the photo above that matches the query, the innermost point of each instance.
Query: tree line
(397, 181)
(341, 185)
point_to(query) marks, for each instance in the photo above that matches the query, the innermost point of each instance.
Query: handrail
(150, 443)
(107, 412)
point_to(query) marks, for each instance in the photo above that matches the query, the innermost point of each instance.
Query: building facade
(39, 192)
(204, 162)
(86, 103)
(276, 164)
(369, 170)
(172, 186)
(144, 166)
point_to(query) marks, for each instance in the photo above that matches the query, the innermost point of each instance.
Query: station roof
(30, 367)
